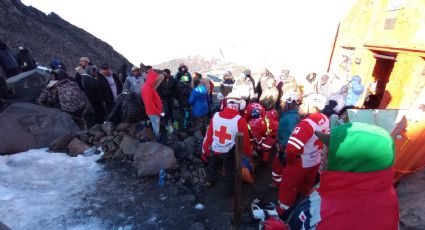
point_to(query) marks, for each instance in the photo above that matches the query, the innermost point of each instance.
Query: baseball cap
(104, 66)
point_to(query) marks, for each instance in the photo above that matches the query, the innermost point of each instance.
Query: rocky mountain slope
(50, 36)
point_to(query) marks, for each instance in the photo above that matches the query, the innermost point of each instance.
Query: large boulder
(129, 145)
(28, 85)
(411, 198)
(27, 126)
(151, 157)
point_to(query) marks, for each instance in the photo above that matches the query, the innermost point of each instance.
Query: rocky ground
(128, 194)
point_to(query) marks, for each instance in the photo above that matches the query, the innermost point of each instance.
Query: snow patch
(41, 190)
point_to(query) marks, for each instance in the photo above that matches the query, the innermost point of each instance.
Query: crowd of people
(282, 122)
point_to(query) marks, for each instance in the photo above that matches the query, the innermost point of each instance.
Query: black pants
(167, 104)
(185, 117)
(201, 123)
(227, 162)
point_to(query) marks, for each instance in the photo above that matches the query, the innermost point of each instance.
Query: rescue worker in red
(263, 127)
(287, 122)
(219, 143)
(302, 155)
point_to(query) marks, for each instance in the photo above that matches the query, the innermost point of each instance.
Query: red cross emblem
(222, 135)
(302, 217)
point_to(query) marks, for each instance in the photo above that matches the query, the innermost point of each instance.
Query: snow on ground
(40, 190)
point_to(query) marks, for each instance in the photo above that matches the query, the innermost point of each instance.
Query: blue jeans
(155, 119)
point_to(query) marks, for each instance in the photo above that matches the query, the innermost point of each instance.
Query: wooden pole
(237, 208)
(333, 48)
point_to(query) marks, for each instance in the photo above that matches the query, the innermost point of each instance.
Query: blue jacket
(356, 90)
(199, 101)
(287, 122)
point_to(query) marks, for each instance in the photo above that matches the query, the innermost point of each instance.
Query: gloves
(282, 158)
(162, 114)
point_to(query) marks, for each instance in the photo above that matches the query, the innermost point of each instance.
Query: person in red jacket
(302, 156)
(219, 144)
(263, 126)
(152, 102)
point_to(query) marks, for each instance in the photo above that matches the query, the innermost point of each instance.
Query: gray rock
(122, 127)
(129, 145)
(108, 128)
(83, 135)
(3, 226)
(187, 219)
(28, 85)
(150, 157)
(27, 126)
(183, 135)
(147, 133)
(94, 129)
(76, 147)
(60, 145)
(117, 139)
(196, 226)
(186, 174)
(190, 152)
(98, 135)
(199, 136)
(190, 141)
(411, 199)
(189, 198)
(111, 145)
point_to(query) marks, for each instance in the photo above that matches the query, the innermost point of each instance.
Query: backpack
(133, 109)
(71, 98)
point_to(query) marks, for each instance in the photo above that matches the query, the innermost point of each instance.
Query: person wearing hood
(244, 87)
(270, 94)
(25, 60)
(128, 108)
(262, 82)
(355, 91)
(323, 86)
(91, 89)
(7, 60)
(340, 98)
(309, 86)
(226, 86)
(152, 102)
(199, 101)
(183, 72)
(356, 189)
(64, 94)
(218, 148)
(183, 94)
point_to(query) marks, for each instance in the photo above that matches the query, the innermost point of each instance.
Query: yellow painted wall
(364, 27)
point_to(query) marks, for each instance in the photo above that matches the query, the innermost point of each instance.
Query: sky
(271, 32)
